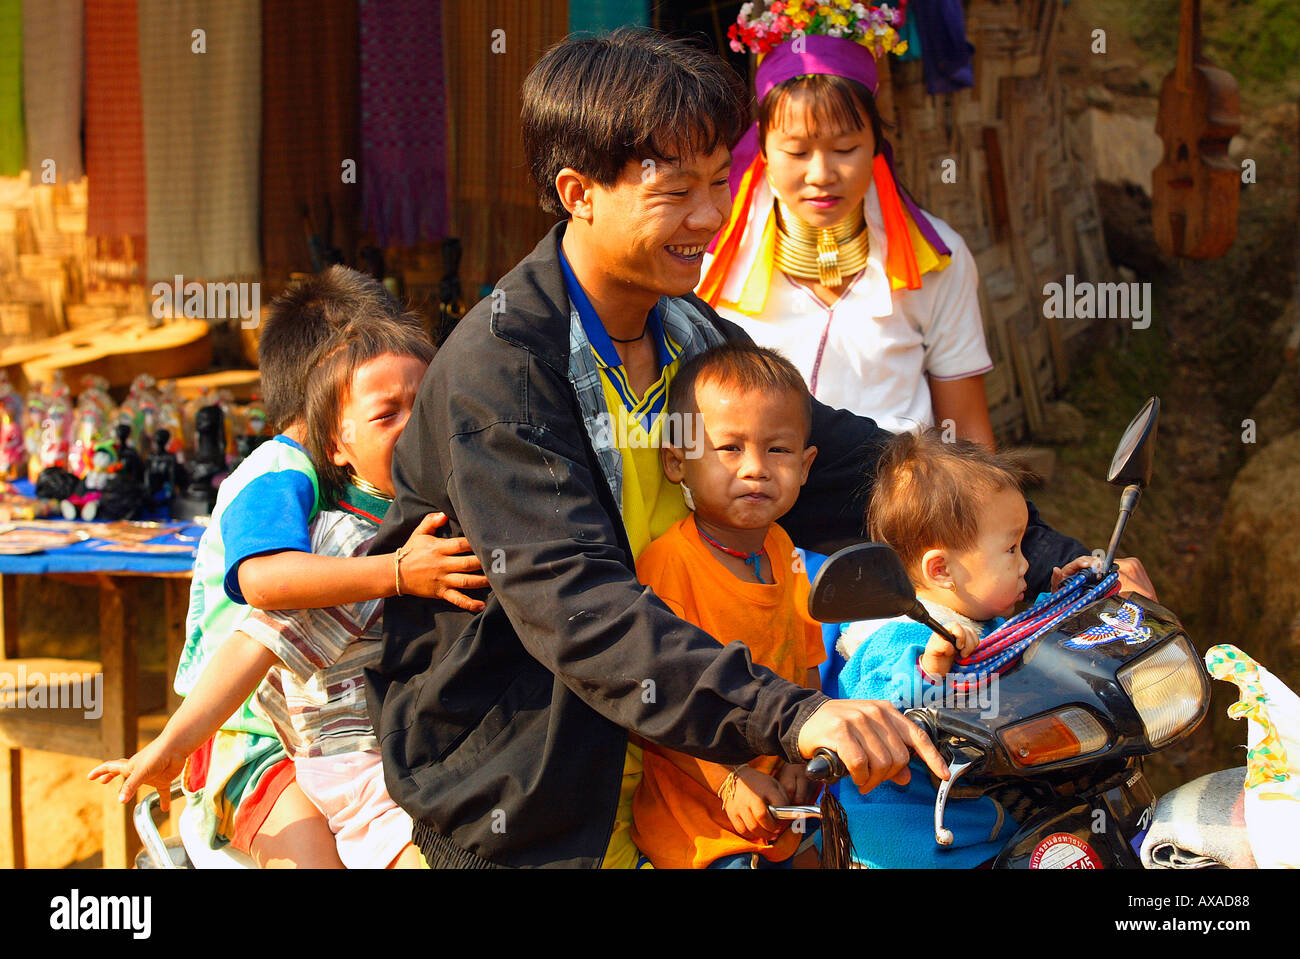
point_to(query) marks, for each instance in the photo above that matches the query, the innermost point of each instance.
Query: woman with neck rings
(826, 259)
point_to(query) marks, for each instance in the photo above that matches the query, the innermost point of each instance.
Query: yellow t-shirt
(651, 505)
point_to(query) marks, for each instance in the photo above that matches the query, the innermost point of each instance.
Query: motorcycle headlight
(1169, 689)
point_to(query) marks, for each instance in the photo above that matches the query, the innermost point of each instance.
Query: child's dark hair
(927, 492)
(299, 320)
(740, 366)
(836, 104)
(592, 103)
(333, 366)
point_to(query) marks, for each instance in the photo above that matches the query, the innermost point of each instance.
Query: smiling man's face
(652, 225)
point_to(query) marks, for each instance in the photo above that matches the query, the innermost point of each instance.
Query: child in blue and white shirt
(955, 514)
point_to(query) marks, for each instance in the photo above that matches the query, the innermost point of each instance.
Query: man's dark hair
(592, 103)
(303, 317)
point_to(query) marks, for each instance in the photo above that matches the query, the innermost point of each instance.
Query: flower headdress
(796, 38)
(874, 27)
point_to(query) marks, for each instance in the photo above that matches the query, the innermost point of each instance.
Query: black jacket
(503, 733)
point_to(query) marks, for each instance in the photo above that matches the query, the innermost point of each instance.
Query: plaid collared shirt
(683, 323)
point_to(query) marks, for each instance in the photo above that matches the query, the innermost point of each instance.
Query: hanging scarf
(114, 125)
(12, 150)
(403, 121)
(52, 67)
(945, 52)
(202, 136)
(310, 128)
(913, 246)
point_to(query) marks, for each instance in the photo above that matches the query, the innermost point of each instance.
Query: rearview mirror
(864, 581)
(1135, 455)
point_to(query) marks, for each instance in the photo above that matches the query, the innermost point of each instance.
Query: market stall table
(115, 569)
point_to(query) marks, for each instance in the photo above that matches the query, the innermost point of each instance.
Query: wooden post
(176, 598)
(12, 853)
(117, 631)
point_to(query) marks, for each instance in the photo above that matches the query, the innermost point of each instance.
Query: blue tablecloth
(83, 557)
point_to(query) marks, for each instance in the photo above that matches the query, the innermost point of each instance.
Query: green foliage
(1257, 41)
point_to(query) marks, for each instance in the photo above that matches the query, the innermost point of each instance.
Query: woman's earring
(686, 497)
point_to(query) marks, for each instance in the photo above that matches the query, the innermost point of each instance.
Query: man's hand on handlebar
(872, 739)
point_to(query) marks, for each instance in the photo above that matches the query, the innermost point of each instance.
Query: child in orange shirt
(731, 570)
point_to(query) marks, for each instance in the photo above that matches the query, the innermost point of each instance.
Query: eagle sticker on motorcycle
(1125, 623)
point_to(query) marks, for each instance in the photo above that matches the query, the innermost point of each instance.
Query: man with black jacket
(506, 733)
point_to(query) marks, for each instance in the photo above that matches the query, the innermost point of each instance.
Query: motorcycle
(1114, 681)
(187, 849)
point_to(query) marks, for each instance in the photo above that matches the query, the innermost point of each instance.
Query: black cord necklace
(635, 338)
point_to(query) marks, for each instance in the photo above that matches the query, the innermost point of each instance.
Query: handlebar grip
(825, 766)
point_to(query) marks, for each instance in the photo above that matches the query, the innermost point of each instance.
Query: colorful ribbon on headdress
(914, 245)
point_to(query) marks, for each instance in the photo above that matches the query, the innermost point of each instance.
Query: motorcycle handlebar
(827, 767)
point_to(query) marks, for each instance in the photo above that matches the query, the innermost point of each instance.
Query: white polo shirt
(871, 350)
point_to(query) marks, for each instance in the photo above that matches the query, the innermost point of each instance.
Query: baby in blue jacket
(955, 514)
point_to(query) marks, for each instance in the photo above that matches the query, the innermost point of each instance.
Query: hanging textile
(201, 99)
(13, 154)
(310, 127)
(493, 202)
(403, 121)
(114, 127)
(945, 53)
(52, 67)
(603, 15)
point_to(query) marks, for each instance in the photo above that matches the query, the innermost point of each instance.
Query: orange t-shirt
(677, 820)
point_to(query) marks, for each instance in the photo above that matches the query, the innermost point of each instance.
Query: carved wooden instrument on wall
(1196, 186)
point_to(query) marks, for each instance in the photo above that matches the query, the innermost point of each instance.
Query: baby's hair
(740, 366)
(299, 320)
(927, 492)
(333, 365)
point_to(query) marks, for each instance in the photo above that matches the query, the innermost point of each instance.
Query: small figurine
(13, 451)
(169, 418)
(33, 416)
(131, 463)
(54, 438)
(164, 474)
(88, 433)
(209, 465)
(104, 464)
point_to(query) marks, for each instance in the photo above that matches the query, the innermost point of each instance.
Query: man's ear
(575, 193)
(934, 569)
(673, 458)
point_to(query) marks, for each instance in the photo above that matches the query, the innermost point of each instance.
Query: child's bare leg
(408, 858)
(295, 835)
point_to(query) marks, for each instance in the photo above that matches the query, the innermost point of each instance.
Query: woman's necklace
(826, 255)
(751, 559)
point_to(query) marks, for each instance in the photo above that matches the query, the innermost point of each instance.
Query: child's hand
(1060, 575)
(439, 568)
(793, 778)
(747, 806)
(938, 657)
(153, 766)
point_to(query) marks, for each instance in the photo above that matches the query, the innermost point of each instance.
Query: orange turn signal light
(1050, 738)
